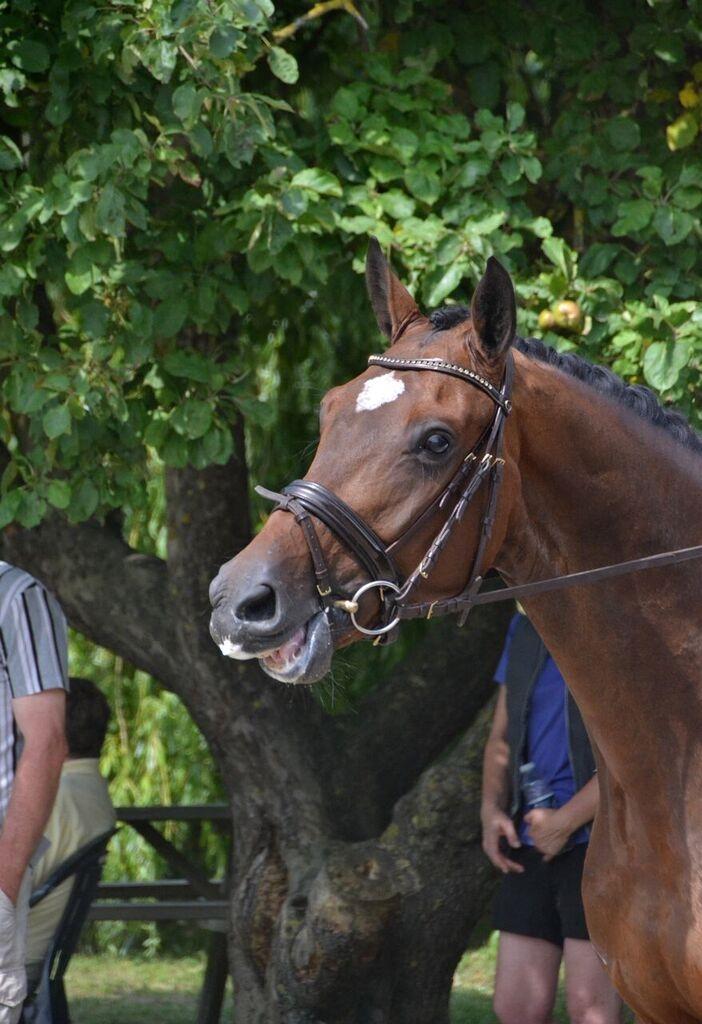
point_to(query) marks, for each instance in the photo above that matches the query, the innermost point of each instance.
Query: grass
(129, 990)
(109, 989)
(471, 1000)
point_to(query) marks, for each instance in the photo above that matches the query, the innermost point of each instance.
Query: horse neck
(597, 485)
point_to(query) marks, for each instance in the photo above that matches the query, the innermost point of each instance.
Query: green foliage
(183, 199)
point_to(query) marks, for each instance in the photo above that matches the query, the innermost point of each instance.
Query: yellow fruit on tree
(568, 315)
(546, 320)
(688, 96)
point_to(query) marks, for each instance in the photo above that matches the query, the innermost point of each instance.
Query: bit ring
(380, 630)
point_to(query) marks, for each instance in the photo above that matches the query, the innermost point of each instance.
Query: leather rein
(483, 464)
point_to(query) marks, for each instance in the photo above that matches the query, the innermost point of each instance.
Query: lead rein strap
(451, 605)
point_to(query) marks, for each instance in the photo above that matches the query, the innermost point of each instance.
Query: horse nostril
(258, 605)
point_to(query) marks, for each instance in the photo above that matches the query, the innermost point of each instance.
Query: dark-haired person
(82, 811)
(539, 910)
(33, 681)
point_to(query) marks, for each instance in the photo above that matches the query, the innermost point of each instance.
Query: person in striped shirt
(33, 684)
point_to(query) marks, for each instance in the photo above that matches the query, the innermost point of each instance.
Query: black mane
(641, 400)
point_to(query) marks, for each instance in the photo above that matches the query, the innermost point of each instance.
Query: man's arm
(496, 823)
(41, 720)
(550, 829)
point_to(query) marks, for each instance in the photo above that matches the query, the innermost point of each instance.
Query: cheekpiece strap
(452, 369)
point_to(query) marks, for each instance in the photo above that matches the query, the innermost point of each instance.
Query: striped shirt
(33, 657)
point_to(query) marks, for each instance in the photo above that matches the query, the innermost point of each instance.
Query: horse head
(394, 452)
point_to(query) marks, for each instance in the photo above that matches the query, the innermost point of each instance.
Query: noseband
(307, 501)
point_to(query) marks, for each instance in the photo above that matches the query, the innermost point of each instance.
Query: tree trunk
(357, 869)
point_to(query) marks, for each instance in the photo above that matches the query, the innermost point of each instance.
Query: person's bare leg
(590, 996)
(526, 979)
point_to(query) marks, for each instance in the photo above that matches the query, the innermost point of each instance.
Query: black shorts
(545, 901)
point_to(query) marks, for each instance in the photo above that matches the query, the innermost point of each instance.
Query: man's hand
(497, 824)
(549, 829)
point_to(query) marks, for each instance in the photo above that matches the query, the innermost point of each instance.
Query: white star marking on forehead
(379, 391)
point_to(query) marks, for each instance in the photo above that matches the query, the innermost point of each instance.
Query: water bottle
(535, 791)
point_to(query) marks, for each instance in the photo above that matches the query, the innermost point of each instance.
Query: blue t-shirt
(547, 732)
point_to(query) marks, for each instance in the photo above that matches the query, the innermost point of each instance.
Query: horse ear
(392, 303)
(494, 310)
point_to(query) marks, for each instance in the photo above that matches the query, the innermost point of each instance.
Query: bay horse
(587, 470)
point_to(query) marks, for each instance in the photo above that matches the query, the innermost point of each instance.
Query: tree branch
(317, 11)
(428, 700)
(115, 596)
(121, 600)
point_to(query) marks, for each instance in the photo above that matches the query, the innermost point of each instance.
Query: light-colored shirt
(82, 811)
(33, 657)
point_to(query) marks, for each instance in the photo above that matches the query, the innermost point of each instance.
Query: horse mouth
(304, 656)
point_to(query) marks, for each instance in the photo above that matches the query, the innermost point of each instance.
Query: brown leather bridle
(483, 464)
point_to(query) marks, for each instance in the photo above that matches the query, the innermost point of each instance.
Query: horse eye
(437, 444)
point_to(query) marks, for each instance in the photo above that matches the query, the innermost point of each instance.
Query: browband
(452, 369)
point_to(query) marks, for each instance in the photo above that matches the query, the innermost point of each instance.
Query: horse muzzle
(292, 642)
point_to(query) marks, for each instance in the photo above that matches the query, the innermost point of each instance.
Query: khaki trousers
(13, 944)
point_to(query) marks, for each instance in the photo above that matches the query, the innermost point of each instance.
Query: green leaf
(598, 258)
(558, 253)
(8, 507)
(56, 421)
(397, 204)
(192, 418)
(84, 501)
(156, 433)
(10, 156)
(682, 132)
(191, 365)
(169, 317)
(663, 363)
(623, 133)
(346, 103)
(446, 284)
(317, 180)
(58, 493)
(687, 198)
(31, 56)
(283, 65)
(160, 58)
(473, 169)
(294, 202)
(673, 225)
(634, 215)
(652, 180)
(110, 212)
(94, 318)
(186, 102)
(31, 510)
(691, 174)
(223, 40)
(423, 183)
(79, 280)
(515, 116)
(404, 144)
